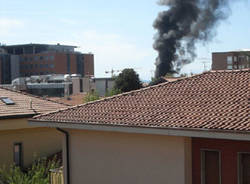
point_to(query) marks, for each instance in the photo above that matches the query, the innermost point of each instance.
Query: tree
(127, 80)
(92, 96)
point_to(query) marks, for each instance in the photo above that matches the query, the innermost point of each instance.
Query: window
(210, 167)
(229, 62)
(51, 57)
(51, 66)
(46, 58)
(41, 57)
(244, 168)
(18, 154)
(7, 101)
(235, 58)
(36, 58)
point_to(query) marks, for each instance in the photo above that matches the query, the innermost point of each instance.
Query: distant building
(61, 85)
(231, 60)
(42, 59)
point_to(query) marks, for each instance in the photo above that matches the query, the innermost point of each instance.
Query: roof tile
(211, 101)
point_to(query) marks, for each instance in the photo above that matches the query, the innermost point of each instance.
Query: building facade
(41, 59)
(230, 60)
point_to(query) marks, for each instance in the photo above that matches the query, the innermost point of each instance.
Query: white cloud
(8, 26)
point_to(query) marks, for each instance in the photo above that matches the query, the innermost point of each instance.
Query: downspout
(67, 153)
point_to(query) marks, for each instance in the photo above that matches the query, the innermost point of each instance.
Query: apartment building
(232, 60)
(42, 59)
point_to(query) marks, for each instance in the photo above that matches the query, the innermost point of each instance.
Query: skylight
(7, 101)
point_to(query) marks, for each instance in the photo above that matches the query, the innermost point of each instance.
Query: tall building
(231, 60)
(42, 59)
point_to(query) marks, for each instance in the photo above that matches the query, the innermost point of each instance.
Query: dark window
(68, 64)
(51, 57)
(210, 165)
(81, 87)
(7, 101)
(41, 57)
(18, 154)
(36, 58)
(244, 168)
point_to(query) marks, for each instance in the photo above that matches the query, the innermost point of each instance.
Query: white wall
(121, 158)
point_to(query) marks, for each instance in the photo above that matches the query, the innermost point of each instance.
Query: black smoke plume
(180, 27)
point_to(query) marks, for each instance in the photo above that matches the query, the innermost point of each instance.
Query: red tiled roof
(23, 105)
(214, 100)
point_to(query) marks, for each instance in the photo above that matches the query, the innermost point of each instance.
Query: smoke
(185, 23)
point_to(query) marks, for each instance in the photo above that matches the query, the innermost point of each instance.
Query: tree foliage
(127, 80)
(113, 92)
(92, 96)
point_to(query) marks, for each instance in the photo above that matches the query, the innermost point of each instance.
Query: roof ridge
(232, 71)
(31, 95)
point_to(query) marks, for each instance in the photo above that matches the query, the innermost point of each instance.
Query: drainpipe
(67, 153)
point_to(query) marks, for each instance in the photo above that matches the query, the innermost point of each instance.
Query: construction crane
(112, 71)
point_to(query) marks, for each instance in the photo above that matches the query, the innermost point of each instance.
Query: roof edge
(17, 116)
(215, 134)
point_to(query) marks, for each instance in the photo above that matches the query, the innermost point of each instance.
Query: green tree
(127, 80)
(92, 96)
(113, 92)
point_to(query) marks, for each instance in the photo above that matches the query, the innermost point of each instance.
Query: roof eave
(184, 132)
(17, 116)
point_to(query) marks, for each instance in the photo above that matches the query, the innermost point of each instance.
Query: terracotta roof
(23, 107)
(209, 101)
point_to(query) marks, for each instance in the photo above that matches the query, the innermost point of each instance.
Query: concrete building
(232, 60)
(61, 85)
(41, 59)
(192, 130)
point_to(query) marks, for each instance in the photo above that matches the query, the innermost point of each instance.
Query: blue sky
(119, 33)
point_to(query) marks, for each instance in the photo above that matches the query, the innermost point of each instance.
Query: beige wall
(110, 158)
(13, 124)
(35, 141)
